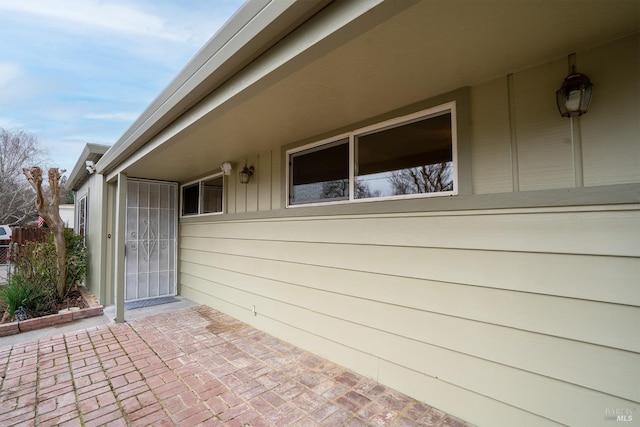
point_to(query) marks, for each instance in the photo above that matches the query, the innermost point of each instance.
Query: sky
(74, 72)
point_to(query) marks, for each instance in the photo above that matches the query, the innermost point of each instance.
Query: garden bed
(79, 304)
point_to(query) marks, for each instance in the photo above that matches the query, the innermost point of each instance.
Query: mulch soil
(73, 299)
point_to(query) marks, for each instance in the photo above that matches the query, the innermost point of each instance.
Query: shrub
(76, 258)
(20, 292)
(37, 262)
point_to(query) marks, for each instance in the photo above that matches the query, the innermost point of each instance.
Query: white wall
(68, 215)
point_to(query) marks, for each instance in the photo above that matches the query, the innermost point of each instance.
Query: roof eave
(252, 30)
(79, 174)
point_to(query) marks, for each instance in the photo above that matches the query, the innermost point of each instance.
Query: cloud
(8, 72)
(82, 71)
(9, 123)
(121, 18)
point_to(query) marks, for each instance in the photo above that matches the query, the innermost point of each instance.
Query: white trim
(352, 166)
(199, 181)
(327, 142)
(320, 143)
(174, 187)
(406, 119)
(454, 147)
(85, 213)
(387, 124)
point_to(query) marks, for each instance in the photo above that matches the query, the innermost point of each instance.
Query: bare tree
(17, 149)
(337, 188)
(66, 194)
(423, 179)
(340, 189)
(49, 209)
(364, 191)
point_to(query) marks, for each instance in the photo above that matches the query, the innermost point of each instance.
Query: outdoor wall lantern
(574, 95)
(245, 174)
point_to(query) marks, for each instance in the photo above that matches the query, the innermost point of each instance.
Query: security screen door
(151, 242)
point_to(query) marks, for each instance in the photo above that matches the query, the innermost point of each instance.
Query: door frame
(173, 249)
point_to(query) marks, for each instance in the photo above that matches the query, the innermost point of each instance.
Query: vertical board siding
(264, 172)
(230, 183)
(611, 128)
(259, 193)
(94, 188)
(240, 193)
(464, 317)
(252, 188)
(545, 156)
(490, 138)
(609, 132)
(276, 180)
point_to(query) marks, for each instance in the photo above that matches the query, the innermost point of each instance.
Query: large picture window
(205, 196)
(411, 156)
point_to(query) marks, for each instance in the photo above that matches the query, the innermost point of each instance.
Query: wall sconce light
(226, 168)
(574, 95)
(245, 174)
(91, 166)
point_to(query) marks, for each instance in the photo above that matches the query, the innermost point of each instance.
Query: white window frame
(82, 216)
(395, 122)
(200, 182)
(325, 142)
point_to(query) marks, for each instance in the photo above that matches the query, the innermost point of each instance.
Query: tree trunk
(49, 209)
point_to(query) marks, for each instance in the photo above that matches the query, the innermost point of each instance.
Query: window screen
(190, 199)
(212, 195)
(320, 173)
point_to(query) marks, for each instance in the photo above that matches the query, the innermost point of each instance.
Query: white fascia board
(79, 173)
(312, 33)
(251, 31)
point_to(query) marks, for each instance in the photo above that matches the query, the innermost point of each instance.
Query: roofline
(79, 173)
(257, 26)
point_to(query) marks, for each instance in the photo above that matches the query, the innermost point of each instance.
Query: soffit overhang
(348, 64)
(253, 29)
(79, 174)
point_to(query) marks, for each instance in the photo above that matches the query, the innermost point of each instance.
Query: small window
(81, 227)
(320, 173)
(212, 195)
(203, 197)
(411, 156)
(190, 199)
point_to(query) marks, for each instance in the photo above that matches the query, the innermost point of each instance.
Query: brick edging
(16, 327)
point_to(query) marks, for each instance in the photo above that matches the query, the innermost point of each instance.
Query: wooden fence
(22, 235)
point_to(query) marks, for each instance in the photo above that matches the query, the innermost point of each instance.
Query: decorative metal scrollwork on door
(148, 240)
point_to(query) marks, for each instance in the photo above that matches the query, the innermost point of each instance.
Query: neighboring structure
(91, 217)
(67, 213)
(417, 209)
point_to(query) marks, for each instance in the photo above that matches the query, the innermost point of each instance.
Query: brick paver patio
(191, 367)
